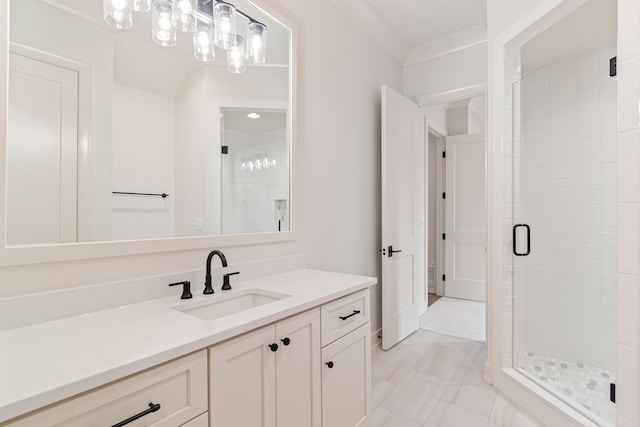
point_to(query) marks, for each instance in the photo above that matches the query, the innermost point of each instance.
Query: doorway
(456, 218)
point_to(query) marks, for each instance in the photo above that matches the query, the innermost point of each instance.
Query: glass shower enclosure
(563, 231)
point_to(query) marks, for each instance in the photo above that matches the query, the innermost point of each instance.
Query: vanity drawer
(178, 386)
(344, 315)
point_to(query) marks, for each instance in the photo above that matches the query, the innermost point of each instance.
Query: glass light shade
(184, 15)
(256, 42)
(224, 16)
(235, 55)
(142, 5)
(162, 31)
(203, 44)
(118, 13)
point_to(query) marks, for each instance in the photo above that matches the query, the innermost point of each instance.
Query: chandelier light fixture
(212, 23)
(257, 163)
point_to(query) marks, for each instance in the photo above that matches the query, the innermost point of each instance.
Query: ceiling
(236, 119)
(417, 22)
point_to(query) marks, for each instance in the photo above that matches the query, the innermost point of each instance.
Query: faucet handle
(226, 284)
(186, 289)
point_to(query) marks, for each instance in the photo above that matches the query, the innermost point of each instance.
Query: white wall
(477, 115)
(458, 121)
(143, 132)
(437, 119)
(336, 214)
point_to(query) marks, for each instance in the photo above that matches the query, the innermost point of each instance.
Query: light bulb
(203, 43)
(256, 42)
(162, 31)
(257, 36)
(142, 5)
(164, 23)
(235, 55)
(184, 16)
(224, 16)
(118, 13)
(185, 6)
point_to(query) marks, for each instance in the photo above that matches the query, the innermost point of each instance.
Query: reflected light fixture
(212, 22)
(253, 115)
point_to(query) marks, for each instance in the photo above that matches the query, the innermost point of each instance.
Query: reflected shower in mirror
(96, 113)
(255, 169)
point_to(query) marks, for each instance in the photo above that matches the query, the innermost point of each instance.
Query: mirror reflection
(114, 137)
(254, 171)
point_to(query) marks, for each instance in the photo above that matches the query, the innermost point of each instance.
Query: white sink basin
(217, 306)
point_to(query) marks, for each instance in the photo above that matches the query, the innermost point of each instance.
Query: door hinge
(444, 236)
(612, 392)
(613, 66)
(224, 149)
(444, 277)
(444, 195)
(444, 154)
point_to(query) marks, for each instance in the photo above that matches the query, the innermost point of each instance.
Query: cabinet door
(242, 381)
(346, 380)
(298, 370)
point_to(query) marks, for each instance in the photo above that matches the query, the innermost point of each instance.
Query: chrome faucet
(208, 289)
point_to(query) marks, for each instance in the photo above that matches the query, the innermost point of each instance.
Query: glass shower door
(563, 234)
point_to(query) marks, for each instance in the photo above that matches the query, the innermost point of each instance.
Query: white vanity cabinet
(346, 357)
(179, 387)
(311, 369)
(254, 384)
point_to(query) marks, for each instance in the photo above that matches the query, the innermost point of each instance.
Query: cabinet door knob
(286, 341)
(329, 364)
(273, 347)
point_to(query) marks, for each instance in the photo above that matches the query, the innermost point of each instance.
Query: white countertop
(47, 362)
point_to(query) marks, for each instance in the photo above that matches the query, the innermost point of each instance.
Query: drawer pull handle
(273, 347)
(153, 407)
(329, 364)
(286, 341)
(351, 315)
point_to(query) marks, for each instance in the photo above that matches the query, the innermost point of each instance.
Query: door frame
(440, 215)
(433, 100)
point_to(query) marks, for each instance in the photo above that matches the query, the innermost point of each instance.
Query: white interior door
(465, 218)
(400, 135)
(42, 146)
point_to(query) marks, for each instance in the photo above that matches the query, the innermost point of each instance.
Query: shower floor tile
(585, 385)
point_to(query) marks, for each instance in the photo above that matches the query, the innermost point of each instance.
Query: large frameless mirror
(125, 124)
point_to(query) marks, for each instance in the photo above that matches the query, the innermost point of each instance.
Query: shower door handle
(515, 240)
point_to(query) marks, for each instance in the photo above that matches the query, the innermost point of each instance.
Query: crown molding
(446, 45)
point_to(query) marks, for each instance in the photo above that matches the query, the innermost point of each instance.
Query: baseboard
(487, 372)
(376, 338)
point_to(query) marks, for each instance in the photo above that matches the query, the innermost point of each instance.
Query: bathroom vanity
(293, 349)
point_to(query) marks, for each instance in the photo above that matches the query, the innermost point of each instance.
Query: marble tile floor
(436, 380)
(586, 385)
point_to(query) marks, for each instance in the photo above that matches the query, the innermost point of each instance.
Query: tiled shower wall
(249, 197)
(566, 190)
